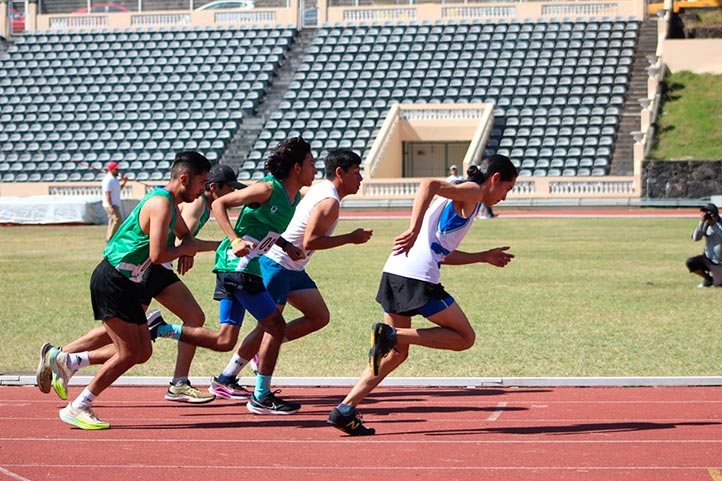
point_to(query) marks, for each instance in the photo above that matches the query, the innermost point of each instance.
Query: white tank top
(296, 229)
(441, 233)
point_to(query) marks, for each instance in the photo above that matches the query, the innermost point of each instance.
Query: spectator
(454, 174)
(111, 198)
(709, 264)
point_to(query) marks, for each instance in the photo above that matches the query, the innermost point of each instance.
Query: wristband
(235, 241)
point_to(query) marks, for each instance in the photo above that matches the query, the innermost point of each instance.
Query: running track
(561, 434)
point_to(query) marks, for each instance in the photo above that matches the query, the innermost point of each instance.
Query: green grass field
(689, 122)
(584, 297)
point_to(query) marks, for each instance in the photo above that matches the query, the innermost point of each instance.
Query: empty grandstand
(136, 87)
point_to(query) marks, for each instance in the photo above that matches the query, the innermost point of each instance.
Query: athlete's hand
(185, 263)
(404, 242)
(497, 257)
(241, 248)
(294, 252)
(360, 236)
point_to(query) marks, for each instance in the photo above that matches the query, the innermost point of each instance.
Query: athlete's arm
(155, 218)
(323, 215)
(258, 193)
(467, 193)
(496, 257)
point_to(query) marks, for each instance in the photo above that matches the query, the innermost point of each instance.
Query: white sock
(235, 366)
(177, 381)
(83, 401)
(76, 360)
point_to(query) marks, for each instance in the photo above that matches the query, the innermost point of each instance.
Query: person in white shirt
(454, 174)
(111, 198)
(286, 280)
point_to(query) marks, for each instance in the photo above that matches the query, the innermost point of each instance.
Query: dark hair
(189, 162)
(343, 158)
(287, 153)
(490, 166)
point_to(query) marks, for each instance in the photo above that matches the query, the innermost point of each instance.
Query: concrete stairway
(623, 159)
(250, 127)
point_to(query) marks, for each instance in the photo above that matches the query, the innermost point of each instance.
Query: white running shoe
(82, 418)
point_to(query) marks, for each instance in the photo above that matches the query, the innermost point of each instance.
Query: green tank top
(205, 216)
(262, 226)
(129, 249)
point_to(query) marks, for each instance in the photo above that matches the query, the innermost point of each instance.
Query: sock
(263, 384)
(83, 401)
(77, 360)
(179, 381)
(345, 409)
(235, 365)
(170, 331)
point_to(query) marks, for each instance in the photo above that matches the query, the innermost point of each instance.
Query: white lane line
(497, 412)
(264, 467)
(10, 474)
(365, 441)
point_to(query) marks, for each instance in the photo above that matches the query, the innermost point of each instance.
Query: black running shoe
(383, 339)
(270, 404)
(155, 320)
(351, 424)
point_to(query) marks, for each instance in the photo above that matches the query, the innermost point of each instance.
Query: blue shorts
(280, 281)
(239, 292)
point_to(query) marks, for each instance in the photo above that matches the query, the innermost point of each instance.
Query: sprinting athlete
(115, 285)
(268, 208)
(410, 281)
(286, 279)
(161, 283)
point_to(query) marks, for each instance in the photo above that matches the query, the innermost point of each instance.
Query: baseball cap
(112, 166)
(453, 167)
(711, 208)
(224, 174)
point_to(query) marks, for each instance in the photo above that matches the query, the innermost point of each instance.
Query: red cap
(113, 165)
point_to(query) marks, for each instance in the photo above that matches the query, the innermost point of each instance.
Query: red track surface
(634, 434)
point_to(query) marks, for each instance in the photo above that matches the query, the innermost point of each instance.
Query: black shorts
(228, 282)
(155, 280)
(114, 295)
(404, 296)
(702, 263)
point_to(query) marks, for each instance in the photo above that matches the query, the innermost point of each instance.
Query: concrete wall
(695, 55)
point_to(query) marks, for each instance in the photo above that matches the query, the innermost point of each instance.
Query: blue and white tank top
(441, 233)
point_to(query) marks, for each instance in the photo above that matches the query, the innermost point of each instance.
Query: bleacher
(558, 87)
(72, 102)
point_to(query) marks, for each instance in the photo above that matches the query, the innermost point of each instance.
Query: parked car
(17, 20)
(228, 4)
(103, 8)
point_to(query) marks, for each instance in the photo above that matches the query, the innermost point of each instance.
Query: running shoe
(351, 424)
(707, 282)
(155, 320)
(82, 418)
(228, 390)
(186, 393)
(383, 339)
(254, 364)
(58, 361)
(270, 404)
(44, 375)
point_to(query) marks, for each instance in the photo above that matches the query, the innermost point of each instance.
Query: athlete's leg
(367, 381)
(454, 332)
(314, 312)
(132, 346)
(178, 299)
(93, 339)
